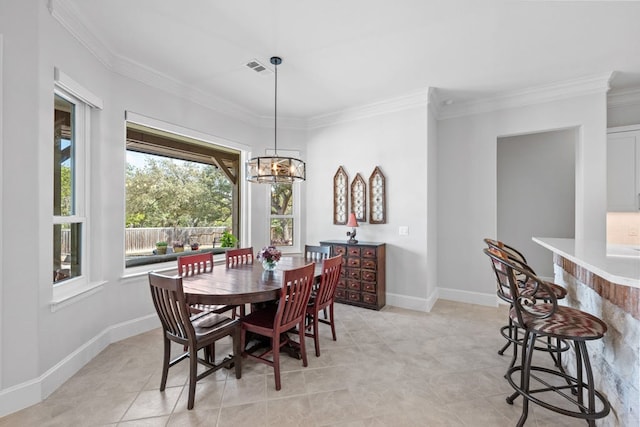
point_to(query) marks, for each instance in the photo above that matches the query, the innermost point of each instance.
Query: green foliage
(166, 193)
(281, 199)
(162, 244)
(228, 240)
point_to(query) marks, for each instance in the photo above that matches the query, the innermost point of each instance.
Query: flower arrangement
(270, 257)
(269, 254)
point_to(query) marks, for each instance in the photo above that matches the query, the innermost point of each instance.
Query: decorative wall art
(359, 198)
(340, 197)
(377, 198)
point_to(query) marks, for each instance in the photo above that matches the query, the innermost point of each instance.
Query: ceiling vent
(258, 67)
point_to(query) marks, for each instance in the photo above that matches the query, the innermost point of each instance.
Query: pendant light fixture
(275, 169)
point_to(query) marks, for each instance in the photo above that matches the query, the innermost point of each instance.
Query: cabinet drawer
(369, 287)
(369, 298)
(369, 276)
(352, 273)
(353, 262)
(341, 294)
(353, 285)
(369, 264)
(353, 296)
(353, 251)
(339, 250)
(368, 253)
(342, 283)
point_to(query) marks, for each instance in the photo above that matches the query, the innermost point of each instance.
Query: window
(69, 213)
(72, 107)
(282, 218)
(181, 191)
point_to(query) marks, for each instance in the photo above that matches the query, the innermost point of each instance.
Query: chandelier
(275, 169)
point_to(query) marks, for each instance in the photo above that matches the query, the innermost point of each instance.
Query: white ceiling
(339, 54)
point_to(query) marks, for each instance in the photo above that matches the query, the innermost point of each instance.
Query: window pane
(63, 157)
(282, 199)
(66, 251)
(281, 232)
(175, 201)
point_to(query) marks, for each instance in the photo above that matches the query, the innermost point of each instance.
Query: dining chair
(510, 331)
(322, 298)
(316, 253)
(275, 320)
(198, 332)
(190, 265)
(557, 391)
(238, 257)
(235, 257)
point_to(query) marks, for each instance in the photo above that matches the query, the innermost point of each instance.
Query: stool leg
(527, 355)
(506, 346)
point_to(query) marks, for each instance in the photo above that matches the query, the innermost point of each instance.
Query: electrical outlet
(403, 230)
(633, 231)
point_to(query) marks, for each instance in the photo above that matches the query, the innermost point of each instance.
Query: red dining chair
(195, 333)
(235, 257)
(190, 265)
(275, 320)
(238, 257)
(322, 298)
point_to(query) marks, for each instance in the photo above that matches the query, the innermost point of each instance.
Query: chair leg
(275, 345)
(237, 352)
(333, 324)
(316, 339)
(165, 363)
(193, 373)
(529, 340)
(303, 347)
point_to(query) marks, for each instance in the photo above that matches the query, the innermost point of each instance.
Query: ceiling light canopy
(275, 169)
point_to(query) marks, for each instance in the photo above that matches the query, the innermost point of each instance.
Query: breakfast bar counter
(606, 285)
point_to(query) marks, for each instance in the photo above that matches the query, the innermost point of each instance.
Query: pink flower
(270, 254)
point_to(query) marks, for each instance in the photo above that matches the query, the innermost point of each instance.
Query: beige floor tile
(392, 367)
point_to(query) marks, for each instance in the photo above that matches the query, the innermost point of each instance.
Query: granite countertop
(615, 263)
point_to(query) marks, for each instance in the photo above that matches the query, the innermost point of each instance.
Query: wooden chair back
(316, 253)
(294, 297)
(190, 265)
(325, 293)
(170, 304)
(235, 257)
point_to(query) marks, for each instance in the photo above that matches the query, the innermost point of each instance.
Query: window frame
(243, 196)
(296, 208)
(85, 103)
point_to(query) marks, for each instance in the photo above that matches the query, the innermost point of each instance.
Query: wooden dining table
(243, 284)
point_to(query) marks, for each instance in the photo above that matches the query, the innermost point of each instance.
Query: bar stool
(510, 331)
(546, 319)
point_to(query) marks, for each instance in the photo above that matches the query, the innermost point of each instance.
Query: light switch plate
(403, 230)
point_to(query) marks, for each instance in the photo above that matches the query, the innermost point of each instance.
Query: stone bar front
(607, 287)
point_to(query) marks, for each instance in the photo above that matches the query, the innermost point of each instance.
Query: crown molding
(530, 96)
(623, 98)
(413, 100)
(68, 16)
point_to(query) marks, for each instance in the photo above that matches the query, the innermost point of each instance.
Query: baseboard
(468, 297)
(412, 303)
(34, 391)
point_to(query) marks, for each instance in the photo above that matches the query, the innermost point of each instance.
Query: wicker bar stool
(510, 331)
(539, 318)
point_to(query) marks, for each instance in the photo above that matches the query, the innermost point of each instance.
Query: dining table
(241, 284)
(244, 284)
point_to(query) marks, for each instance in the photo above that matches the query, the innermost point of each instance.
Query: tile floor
(391, 367)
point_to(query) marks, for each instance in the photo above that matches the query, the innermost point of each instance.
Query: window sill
(69, 294)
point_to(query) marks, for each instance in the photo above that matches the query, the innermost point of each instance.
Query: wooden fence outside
(140, 240)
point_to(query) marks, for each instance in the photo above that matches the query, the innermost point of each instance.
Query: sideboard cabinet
(362, 281)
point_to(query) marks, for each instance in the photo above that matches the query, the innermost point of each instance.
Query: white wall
(467, 196)
(41, 348)
(397, 143)
(536, 192)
